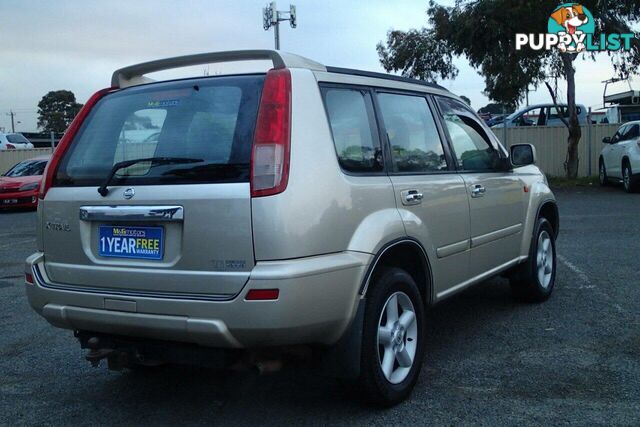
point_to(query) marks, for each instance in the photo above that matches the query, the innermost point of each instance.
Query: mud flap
(343, 359)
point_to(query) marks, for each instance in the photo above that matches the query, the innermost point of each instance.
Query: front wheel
(534, 280)
(393, 343)
(604, 180)
(630, 185)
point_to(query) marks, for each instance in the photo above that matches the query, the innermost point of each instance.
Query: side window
(413, 136)
(471, 144)
(632, 132)
(618, 135)
(351, 117)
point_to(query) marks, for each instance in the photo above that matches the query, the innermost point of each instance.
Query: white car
(620, 159)
(14, 141)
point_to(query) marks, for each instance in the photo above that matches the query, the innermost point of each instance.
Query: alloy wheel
(397, 337)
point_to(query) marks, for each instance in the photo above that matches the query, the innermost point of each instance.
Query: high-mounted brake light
(272, 140)
(65, 142)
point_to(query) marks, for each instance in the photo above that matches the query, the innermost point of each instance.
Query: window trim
(498, 147)
(387, 143)
(374, 124)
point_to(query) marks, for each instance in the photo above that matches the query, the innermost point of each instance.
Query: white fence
(551, 145)
(8, 158)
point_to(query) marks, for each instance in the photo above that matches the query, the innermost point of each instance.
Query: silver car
(304, 205)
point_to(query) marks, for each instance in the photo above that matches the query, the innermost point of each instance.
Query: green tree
(56, 110)
(484, 32)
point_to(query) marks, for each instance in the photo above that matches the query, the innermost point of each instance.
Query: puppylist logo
(571, 28)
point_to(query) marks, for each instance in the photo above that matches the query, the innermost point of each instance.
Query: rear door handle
(411, 197)
(477, 190)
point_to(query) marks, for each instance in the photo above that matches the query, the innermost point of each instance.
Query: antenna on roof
(271, 17)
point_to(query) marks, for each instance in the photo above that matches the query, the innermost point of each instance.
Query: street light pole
(271, 17)
(13, 126)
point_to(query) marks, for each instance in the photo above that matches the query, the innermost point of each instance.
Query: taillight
(28, 278)
(272, 140)
(65, 142)
(10, 146)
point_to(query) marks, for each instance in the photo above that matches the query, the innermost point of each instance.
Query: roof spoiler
(135, 74)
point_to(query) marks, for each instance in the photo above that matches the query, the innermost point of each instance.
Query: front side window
(618, 135)
(351, 117)
(209, 120)
(412, 133)
(631, 132)
(471, 144)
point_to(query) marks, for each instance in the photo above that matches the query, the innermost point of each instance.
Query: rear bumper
(317, 301)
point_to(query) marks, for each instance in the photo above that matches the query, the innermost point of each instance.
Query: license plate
(131, 242)
(10, 201)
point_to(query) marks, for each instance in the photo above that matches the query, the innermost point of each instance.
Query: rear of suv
(303, 205)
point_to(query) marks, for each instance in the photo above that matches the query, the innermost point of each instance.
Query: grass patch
(558, 181)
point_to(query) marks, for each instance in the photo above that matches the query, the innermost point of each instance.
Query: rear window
(209, 119)
(16, 138)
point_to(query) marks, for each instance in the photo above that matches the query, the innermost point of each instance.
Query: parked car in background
(20, 185)
(496, 120)
(542, 115)
(14, 141)
(306, 205)
(620, 158)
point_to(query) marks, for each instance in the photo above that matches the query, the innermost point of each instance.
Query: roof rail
(373, 74)
(134, 74)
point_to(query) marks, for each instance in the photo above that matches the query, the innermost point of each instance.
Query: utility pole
(271, 17)
(13, 126)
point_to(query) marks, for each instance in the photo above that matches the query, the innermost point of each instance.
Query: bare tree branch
(555, 102)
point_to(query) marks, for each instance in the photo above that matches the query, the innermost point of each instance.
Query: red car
(19, 186)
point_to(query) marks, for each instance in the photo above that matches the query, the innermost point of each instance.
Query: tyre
(534, 280)
(604, 180)
(392, 342)
(630, 184)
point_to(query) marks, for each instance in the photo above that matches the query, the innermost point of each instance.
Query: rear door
(496, 196)
(430, 194)
(174, 230)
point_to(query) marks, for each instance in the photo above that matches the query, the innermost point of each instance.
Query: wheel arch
(406, 253)
(549, 210)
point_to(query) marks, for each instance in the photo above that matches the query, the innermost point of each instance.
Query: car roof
(135, 75)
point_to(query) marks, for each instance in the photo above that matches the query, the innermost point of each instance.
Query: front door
(495, 195)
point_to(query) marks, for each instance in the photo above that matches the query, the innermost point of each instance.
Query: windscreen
(27, 168)
(210, 119)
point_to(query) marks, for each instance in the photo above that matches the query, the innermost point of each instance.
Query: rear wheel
(392, 345)
(534, 280)
(630, 185)
(603, 174)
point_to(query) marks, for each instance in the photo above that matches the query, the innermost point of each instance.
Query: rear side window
(352, 121)
(412, 133)
(211, 119)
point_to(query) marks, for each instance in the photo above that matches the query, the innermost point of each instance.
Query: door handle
(411, 197)
(477, 190)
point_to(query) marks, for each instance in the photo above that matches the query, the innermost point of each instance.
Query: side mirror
(523, 155)
(606, 140)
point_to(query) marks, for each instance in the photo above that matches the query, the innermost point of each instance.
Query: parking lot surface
(490, 360)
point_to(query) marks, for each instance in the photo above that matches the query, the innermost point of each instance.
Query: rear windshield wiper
(155, 161)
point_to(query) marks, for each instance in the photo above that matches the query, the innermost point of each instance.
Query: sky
(77, 44)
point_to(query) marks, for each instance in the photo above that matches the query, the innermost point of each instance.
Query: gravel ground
(490, 360)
